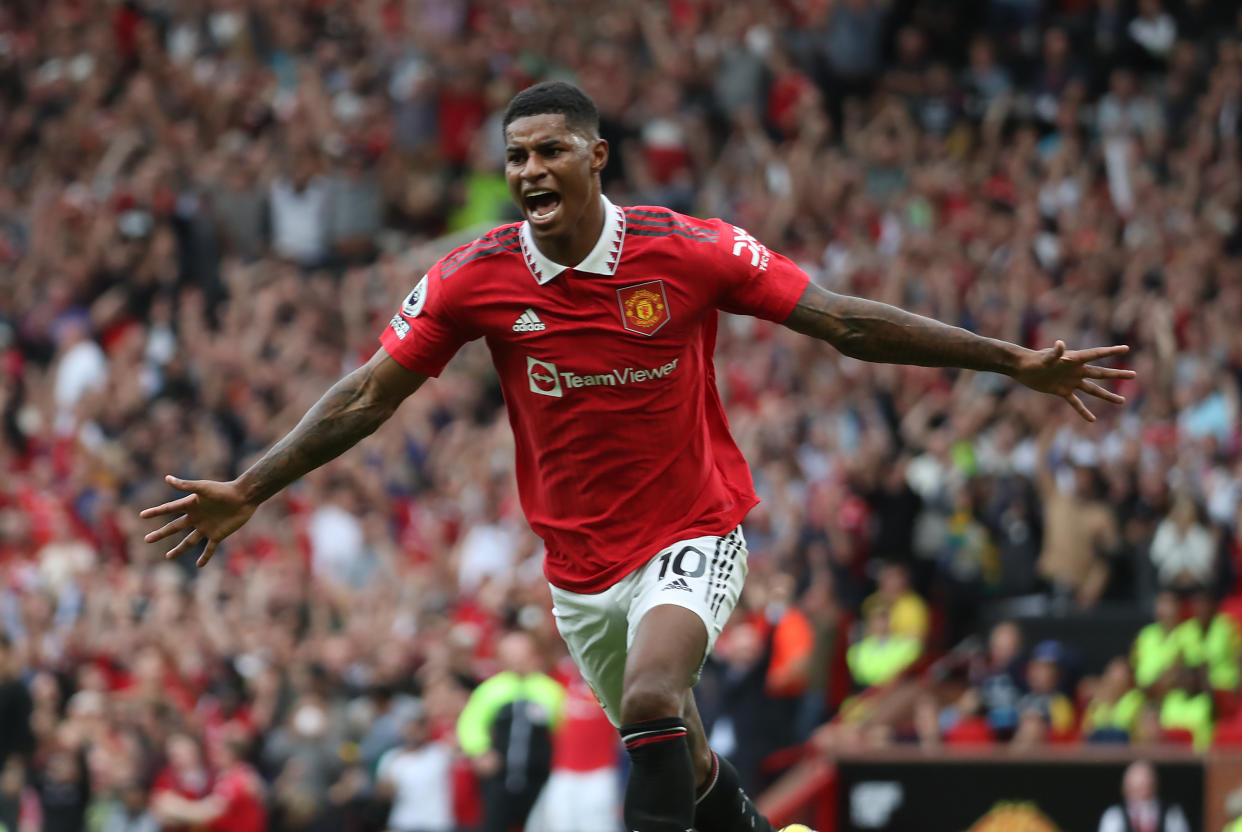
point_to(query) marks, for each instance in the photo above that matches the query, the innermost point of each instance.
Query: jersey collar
(603, 258)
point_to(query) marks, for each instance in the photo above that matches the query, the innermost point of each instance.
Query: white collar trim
(603, 259)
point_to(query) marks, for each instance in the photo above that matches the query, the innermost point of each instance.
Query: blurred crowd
(209, 208)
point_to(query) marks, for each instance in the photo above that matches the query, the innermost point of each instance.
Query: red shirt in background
(194, 786)
(585, 740)
(240, 789)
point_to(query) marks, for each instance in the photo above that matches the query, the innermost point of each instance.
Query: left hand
(1061, 372)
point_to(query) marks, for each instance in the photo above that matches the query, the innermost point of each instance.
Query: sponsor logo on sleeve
(400, 327)
(415, 300)
(745, 246)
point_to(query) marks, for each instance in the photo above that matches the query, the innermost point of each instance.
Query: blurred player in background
(601, 322)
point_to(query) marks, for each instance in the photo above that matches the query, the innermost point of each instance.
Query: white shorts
(578, 801)
(702, 574)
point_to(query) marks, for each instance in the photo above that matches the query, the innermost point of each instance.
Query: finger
(1093, 389)
(188, 542)
(1092, 371)
(207, 553)
(180, 524)
(178, 505)
(1096, 353)
(1077, 404)
(1058, 350)
(184, 485)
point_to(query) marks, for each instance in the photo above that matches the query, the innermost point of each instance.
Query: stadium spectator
(235, 804)
(1043, 696)
(999, 678)
(185, 774)
(881, 655)
(1157, 648)
(908, 613)
(1113, 708)
(1183, 551)
(417, 777)
(1210, 640)
(1080, 531)
(130, 813)
(1188, 708)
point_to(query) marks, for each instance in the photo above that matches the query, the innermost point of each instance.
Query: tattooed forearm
(348, 412)
(872, 331)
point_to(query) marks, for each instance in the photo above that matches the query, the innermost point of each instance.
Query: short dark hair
(552, 97)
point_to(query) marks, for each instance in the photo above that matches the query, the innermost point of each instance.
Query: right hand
(212, 511)
(487, 764)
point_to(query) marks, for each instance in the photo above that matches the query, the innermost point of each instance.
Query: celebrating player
(601, 322)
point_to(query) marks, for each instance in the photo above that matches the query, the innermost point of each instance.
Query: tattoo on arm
(871, 331)
(350, 411)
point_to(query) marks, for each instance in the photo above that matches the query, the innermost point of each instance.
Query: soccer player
(601, 322)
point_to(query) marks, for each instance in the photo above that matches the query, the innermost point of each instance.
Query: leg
(720, 803)
(681, 601)
(700, 752)
(664, 657)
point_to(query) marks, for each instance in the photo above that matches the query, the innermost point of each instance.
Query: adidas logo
(680, 583)
(528, 321)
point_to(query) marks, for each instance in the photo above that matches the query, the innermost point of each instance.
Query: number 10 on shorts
(689, 562)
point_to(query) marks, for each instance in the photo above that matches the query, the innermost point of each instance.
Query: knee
(651, 696)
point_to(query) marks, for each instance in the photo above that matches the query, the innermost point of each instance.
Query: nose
(534, 168)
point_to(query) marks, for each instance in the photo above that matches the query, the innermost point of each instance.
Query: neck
(572, 249)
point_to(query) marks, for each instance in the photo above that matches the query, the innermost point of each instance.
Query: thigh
(594, 630)
(703, 575)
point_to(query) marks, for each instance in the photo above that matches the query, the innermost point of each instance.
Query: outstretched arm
(872, 331)
(351, 410)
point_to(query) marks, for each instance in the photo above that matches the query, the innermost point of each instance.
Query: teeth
(539, 193)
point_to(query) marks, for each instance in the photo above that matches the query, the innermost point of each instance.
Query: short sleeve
(756, 281)
(423, 336)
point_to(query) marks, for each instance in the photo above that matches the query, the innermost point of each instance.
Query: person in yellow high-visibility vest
(880, 656)
(1189, 705)
(1212, 639)
(1115, 705)
(1156, 649)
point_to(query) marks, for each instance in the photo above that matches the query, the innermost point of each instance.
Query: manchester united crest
(644, 307)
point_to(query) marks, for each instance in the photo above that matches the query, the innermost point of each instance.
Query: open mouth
(542, 204)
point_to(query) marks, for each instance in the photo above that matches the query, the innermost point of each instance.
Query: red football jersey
(606, 368)
(241, 790)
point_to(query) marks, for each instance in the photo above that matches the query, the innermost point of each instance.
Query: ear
(599, 156)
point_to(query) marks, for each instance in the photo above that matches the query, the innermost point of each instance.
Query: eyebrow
(543, 145)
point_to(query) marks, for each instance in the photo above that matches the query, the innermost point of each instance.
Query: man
(236, 801)
(908, 614)
(506, 730)
(1210, 639)
(583, 792)
(1157, 647)
(1141, 810)
(601, 322)
(417, 777)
